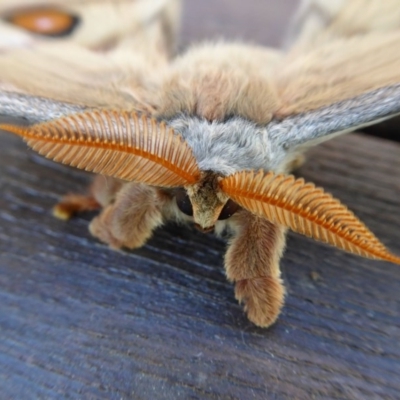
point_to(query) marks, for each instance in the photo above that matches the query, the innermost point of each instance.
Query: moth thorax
(207, 200)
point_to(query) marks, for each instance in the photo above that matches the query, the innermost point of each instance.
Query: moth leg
(252, 262)
(104, 189)
(130, 220)
(101, 193)
(72, 204)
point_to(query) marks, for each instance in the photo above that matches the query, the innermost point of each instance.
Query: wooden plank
(81, 321)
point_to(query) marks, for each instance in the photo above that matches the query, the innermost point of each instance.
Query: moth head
(137, 148)
(206, 201)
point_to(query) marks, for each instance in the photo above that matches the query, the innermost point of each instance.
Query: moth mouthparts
(208, 229)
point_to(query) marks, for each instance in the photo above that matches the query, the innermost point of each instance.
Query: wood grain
(81, 321)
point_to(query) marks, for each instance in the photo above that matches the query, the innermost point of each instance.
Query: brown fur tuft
(72, 204)
(131, 219)
(252, 261)
(218, 81)
(262, 297)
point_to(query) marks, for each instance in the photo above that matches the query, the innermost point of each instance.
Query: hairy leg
(104, 189)
(130, 220)
(252, 262)
(101, 193)
(72, 204)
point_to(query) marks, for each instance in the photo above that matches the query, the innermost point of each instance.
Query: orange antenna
(120, 144)
(305, 209)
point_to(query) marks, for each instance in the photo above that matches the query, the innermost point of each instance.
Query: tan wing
(73, 75)
(321, 21)
(338, 71)
(342, 72)
(97, 24)
(48, 80)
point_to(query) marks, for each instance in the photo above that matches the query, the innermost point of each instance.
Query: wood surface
(81, 321)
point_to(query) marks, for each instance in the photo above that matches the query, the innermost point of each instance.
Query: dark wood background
(81, 321)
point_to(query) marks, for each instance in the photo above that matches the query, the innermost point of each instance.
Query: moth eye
(229, 209)
(183, 202)
(45, 21)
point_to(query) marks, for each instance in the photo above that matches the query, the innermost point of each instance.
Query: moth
(209, 137)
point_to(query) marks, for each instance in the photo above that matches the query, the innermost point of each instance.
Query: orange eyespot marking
(44, 21)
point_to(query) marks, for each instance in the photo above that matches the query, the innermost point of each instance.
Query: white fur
(231, 146)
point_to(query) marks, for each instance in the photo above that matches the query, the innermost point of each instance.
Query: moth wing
(100, 24)
(36, 82)
(106, 23)
(11, 38)
(47, 80)
(336, 88)
(317, 22)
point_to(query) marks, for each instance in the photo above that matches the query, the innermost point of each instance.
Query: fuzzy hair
(130, 220)
(252, 262)
(239, 144)
(231, 146)
(217, 80)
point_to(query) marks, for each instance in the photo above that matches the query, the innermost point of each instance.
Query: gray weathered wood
(79, 320)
